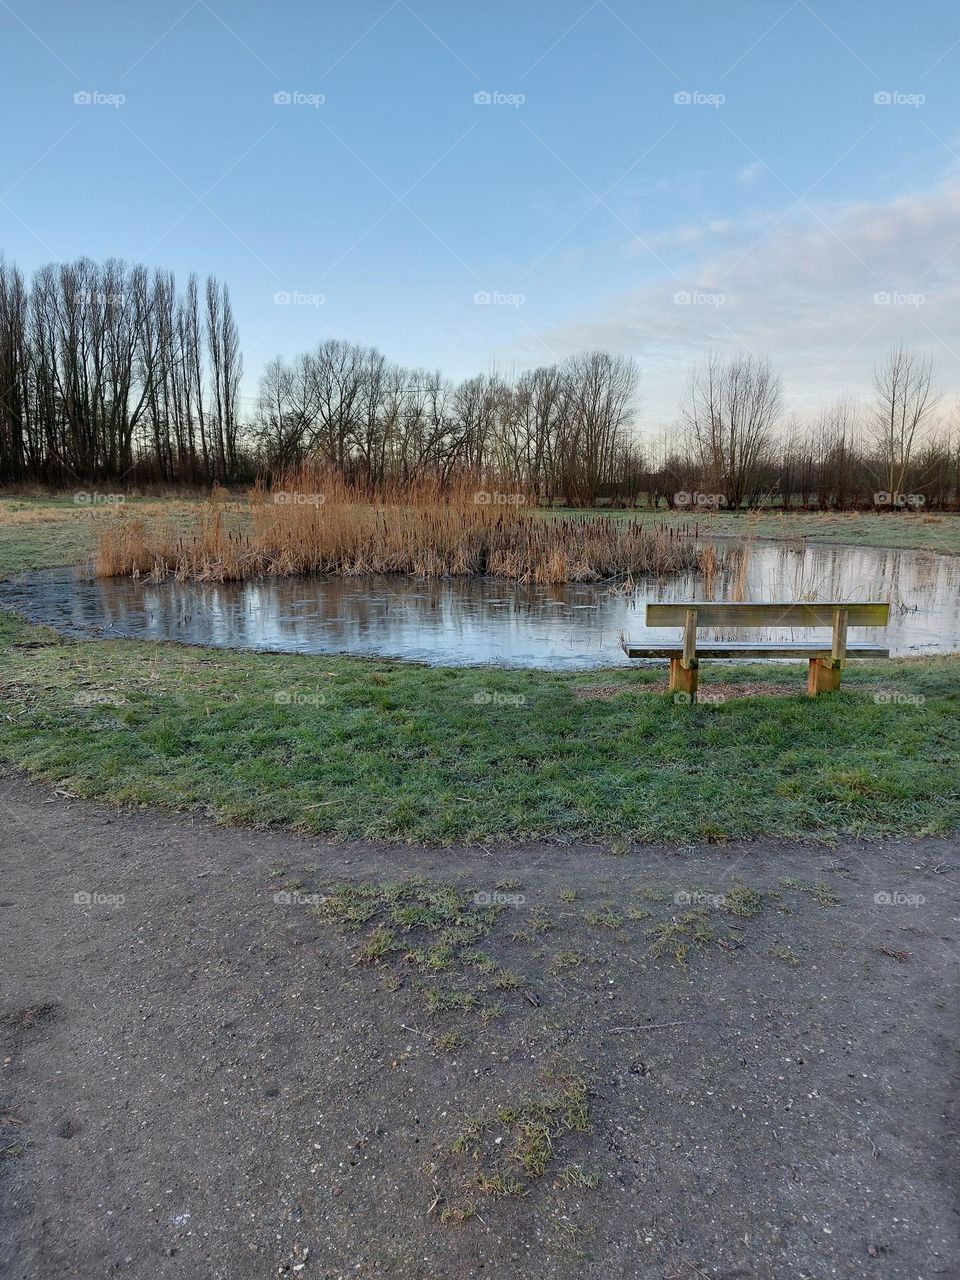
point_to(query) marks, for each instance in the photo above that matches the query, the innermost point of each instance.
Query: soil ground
(229, 1053)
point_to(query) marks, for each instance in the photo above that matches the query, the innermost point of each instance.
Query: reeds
(311, 522)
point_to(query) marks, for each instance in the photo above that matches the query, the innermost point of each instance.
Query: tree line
(109, 373)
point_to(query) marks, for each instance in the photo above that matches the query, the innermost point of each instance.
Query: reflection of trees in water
(480, 619)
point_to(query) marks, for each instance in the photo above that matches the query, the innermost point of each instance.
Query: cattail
(316, 521)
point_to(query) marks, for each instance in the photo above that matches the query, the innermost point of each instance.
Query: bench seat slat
(759, 649)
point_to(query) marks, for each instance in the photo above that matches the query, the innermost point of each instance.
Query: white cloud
(750, 173)
(805, 286)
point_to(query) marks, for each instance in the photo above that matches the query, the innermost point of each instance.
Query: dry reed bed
(324, 526)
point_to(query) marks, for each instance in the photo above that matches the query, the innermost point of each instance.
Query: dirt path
(201, 1080)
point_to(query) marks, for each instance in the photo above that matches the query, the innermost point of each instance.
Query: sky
(492, 186)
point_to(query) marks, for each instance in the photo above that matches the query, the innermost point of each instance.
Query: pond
(478, 621)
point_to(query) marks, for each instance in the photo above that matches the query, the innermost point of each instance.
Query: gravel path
(200, 1080)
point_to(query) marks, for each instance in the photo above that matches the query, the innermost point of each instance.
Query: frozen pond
(474, 621)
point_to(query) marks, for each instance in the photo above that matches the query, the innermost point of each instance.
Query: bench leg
(684, 680)
(823, 675)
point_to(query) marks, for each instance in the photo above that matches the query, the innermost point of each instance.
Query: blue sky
(782, 209)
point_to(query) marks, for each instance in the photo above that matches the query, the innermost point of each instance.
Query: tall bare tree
(731, 408)
(906, 401)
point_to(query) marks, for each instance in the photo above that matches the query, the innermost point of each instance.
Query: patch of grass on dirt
(516, 1143)
(821, 892)
(685, 931)
(464, 978)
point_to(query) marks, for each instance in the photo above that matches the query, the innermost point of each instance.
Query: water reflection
(477, 621)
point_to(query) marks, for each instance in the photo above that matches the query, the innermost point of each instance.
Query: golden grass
(314, 522)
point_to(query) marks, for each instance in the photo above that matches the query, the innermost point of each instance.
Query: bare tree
(731, 409)
(905, 403)
(601, 389)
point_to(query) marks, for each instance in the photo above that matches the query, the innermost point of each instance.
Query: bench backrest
(783, 613)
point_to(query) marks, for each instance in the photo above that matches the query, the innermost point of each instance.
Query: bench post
(824, 674)
(685, 670)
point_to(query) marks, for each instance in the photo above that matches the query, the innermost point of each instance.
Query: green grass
(410, 756)
(403, 752)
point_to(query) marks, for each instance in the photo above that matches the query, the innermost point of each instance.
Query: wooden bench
(826, 660)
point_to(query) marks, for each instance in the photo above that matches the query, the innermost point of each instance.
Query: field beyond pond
(353, 747)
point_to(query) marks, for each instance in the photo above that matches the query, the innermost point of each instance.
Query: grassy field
(352, 747)
(36, 533)
(908, 530)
